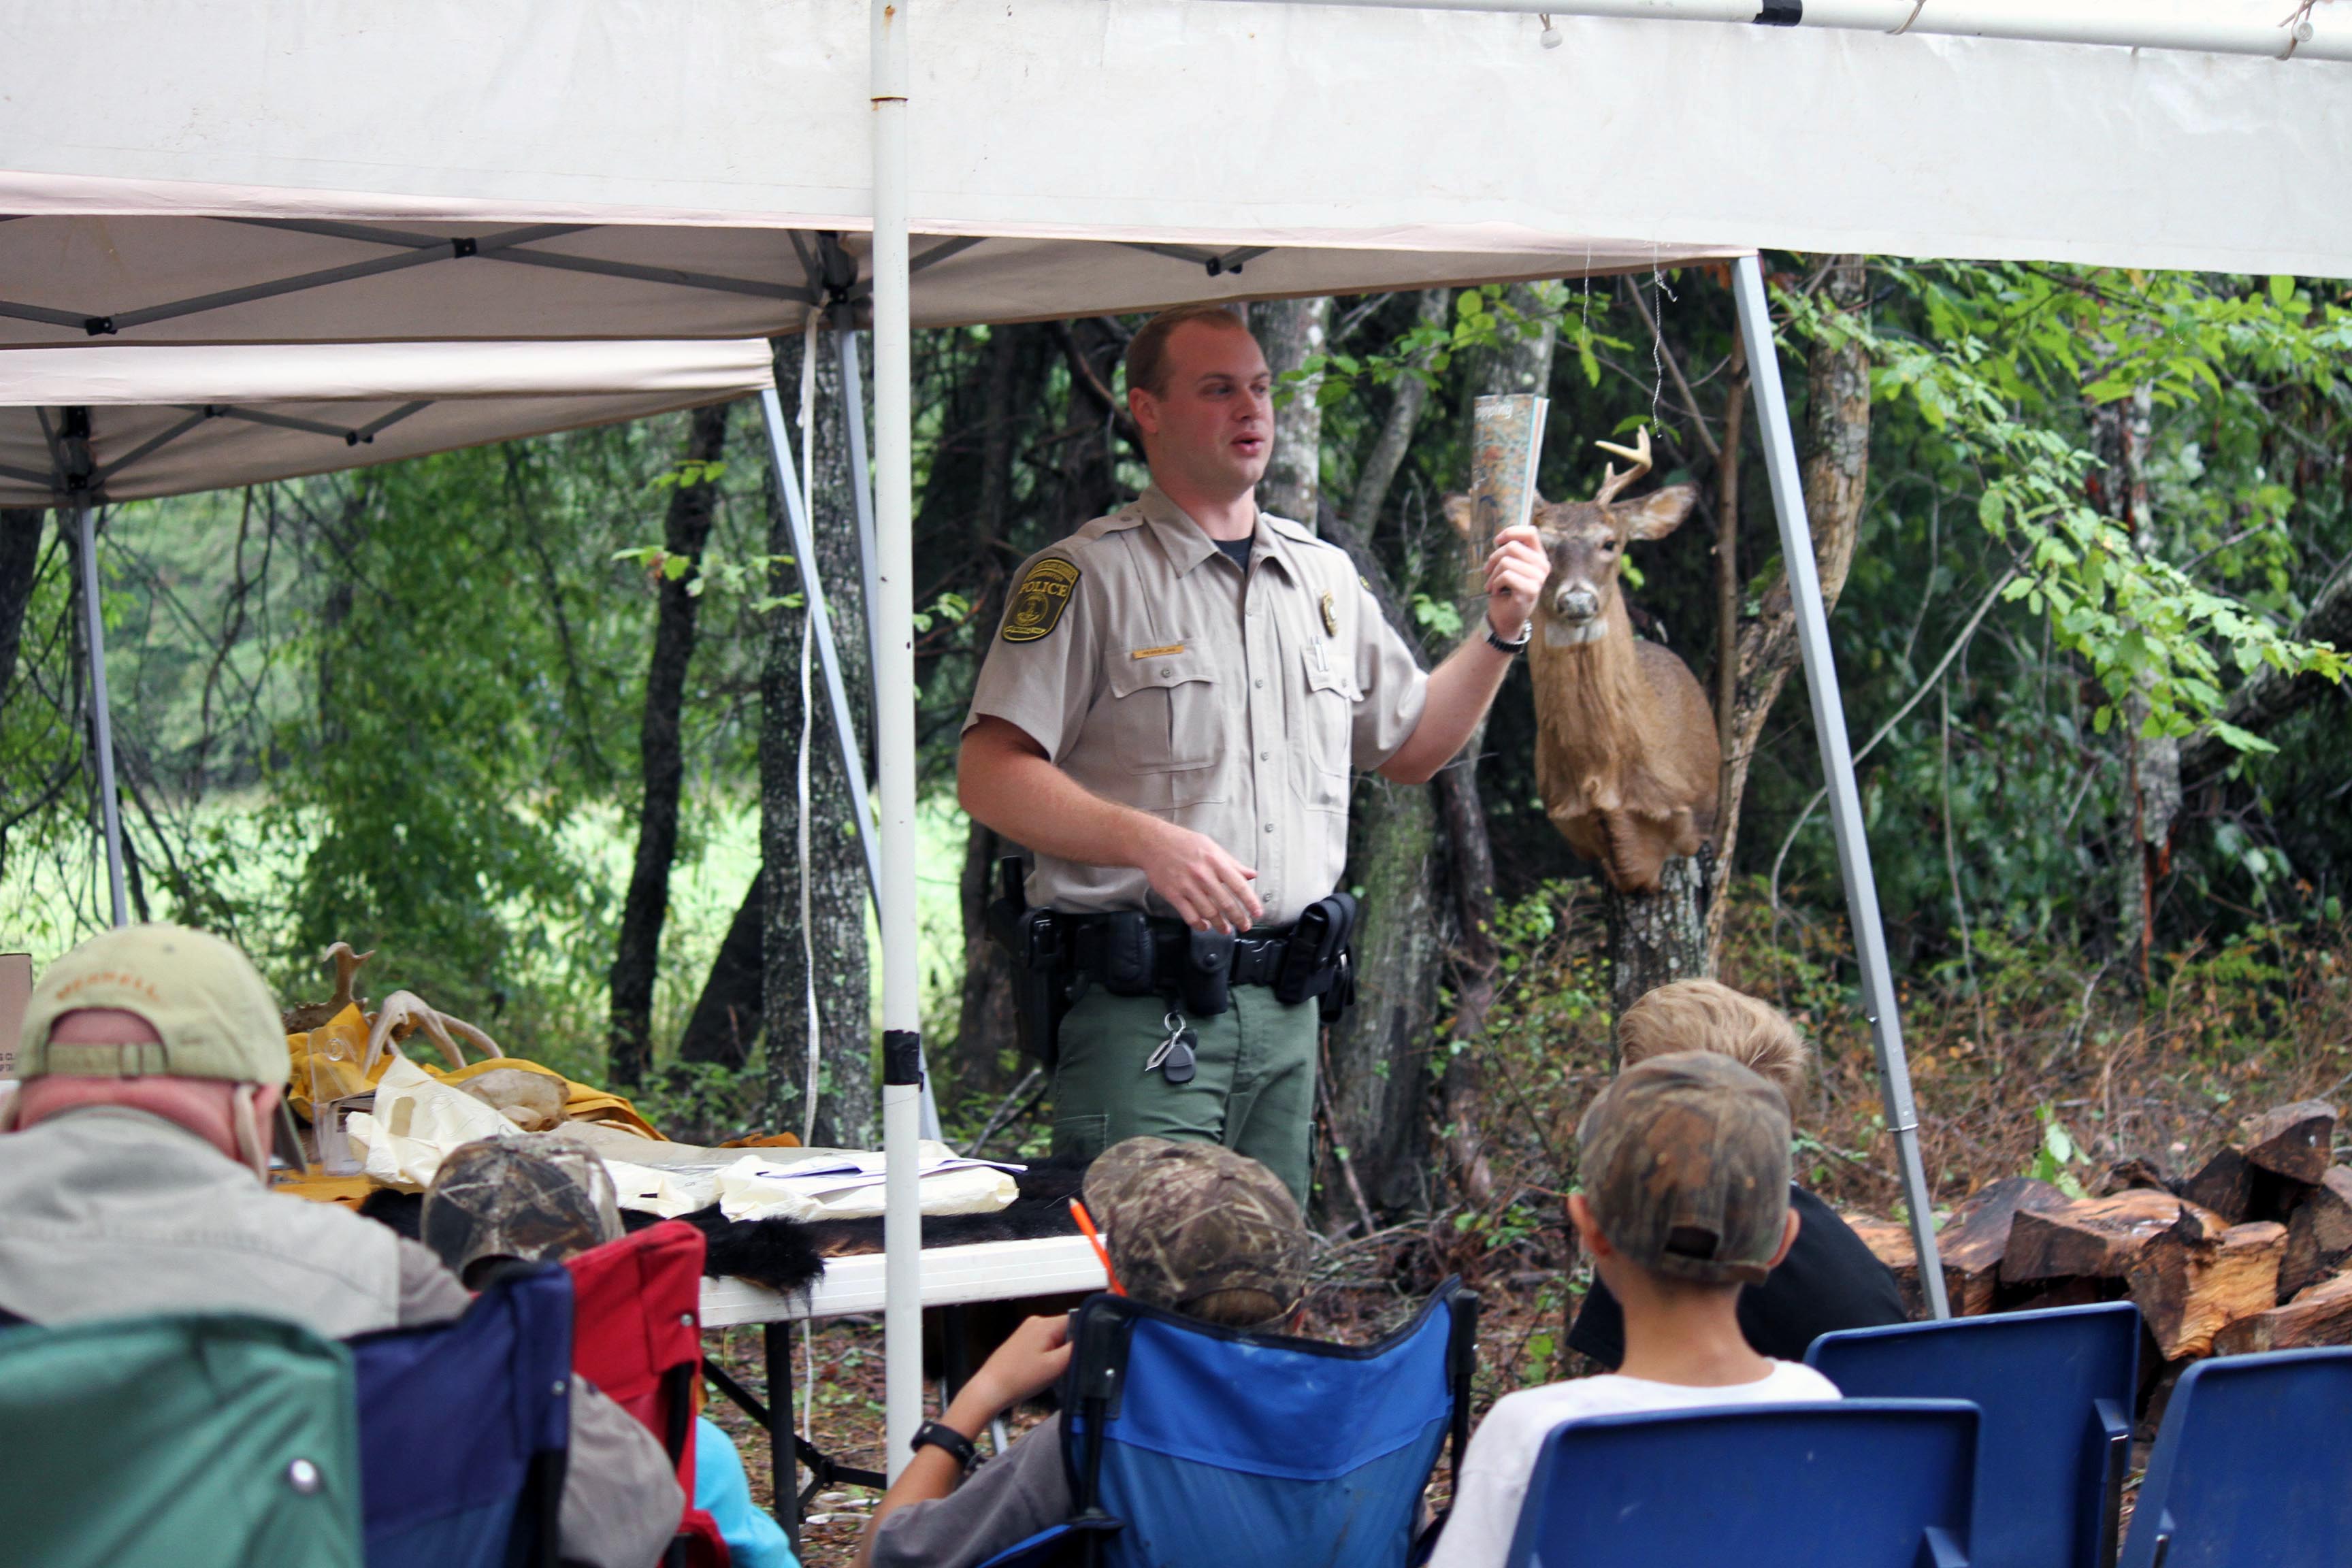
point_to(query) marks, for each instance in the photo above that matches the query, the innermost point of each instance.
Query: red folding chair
(637, 1335)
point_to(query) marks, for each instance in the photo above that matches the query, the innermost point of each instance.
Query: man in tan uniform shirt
(1169, 717)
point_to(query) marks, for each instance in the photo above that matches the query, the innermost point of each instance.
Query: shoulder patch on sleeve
(1039, 598)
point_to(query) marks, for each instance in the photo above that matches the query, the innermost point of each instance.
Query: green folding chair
(211, 1440)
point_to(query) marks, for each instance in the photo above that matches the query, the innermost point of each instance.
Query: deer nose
(1577, 602)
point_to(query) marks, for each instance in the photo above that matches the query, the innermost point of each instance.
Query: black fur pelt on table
(789, 1255)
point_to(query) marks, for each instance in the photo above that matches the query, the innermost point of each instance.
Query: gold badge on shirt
(1330, 617)
(1039, 599)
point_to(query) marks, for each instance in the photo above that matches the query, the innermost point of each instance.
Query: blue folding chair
(1875, 1483)
(464, 1427)
(2254, 1466)
(1190, 1444)
(2056, 1391)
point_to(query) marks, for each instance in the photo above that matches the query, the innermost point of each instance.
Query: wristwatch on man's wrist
(939, 1435)
(1499, 646)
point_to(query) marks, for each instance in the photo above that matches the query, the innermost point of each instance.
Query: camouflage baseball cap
(1686, 1166)
(212, 1009)
(539, 1199)
(1188, 1222)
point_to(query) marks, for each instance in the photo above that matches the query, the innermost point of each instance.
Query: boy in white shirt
(1685, 1177)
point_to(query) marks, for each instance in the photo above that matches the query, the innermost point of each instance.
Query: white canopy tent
(311, 169)
(82, 427)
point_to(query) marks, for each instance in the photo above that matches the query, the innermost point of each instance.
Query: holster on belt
(1131, 953)
(1035, 940)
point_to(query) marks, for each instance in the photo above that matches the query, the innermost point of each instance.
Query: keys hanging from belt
(1175, 1059)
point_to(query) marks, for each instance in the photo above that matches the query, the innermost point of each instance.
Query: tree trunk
(20, 560)
(636, 956)
(1376, 1056)
(2119, 439)
(1658, 937)
(1836, 475)
(1292, 331)
(834, 871)
(1378, 1052)
(988, 1034)
(726, 1015)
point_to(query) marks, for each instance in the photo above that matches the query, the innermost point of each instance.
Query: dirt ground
(1521, 1328)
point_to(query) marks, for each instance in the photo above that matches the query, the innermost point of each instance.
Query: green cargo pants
(1253, 1091)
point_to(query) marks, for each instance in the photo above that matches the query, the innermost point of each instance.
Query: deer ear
(1462, 513)
(1656, 515)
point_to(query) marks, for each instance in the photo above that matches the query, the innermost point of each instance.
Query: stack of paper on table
(417, 1120)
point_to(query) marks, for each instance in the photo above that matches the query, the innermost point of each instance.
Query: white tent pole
(1837, 764)
(2302, 34)
(893, 612)
(861, 483)
(828, 656)
(861, 488)
(101, 721)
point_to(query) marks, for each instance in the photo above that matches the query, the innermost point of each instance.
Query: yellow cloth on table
(334, 1056)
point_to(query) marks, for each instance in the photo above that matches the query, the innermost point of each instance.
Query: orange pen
(1086, 1226)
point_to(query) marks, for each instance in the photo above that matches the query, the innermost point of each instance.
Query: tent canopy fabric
(167, 420)
(524, 168)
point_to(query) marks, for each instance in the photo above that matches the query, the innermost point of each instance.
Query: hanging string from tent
(808, 644)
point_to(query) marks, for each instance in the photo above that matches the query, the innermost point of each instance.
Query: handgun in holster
(1318, 961)
(1033, 938)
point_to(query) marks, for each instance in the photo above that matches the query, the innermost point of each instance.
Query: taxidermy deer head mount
(1626, 756)
(1587, 541)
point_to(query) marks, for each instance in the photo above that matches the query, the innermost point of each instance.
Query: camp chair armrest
(2112, 1425)
(1938, 1550)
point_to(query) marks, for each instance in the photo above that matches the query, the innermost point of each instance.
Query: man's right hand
(1208, 889)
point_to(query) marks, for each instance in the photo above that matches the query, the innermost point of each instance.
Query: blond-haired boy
(1684, 1166)
(1830, 1280)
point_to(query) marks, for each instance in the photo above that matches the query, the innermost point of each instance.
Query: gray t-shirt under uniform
(1006, 1501)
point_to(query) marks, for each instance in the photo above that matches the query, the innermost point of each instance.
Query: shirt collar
(1187, 545)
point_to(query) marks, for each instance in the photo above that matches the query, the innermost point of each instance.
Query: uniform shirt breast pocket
(1165, 721)
(1330, 697)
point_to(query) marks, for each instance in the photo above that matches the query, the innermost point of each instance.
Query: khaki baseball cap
(1185, 1222)
(214, 1011)
(1685, 1164)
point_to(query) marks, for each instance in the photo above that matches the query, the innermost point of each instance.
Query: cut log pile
(2251, 1252)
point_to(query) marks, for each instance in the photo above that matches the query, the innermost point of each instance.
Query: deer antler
(1612, 481)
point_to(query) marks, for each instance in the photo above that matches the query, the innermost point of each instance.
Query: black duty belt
(1056, 956)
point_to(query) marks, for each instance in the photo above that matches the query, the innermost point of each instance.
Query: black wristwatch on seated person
(939, 1435)
(1508, 648)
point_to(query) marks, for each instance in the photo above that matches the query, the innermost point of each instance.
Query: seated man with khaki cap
(132, 1180)
(1192, 1228)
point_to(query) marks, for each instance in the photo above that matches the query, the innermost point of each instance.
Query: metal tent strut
(101, 721)
(829, 659)
(1837, 765)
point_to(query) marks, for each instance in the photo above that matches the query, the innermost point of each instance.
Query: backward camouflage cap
(1187, 1221)
(1684, 1163)
(213, 1012)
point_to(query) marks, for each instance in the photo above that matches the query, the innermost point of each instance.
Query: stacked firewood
(2253, 1252)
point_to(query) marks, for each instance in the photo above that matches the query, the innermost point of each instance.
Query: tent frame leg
(101, 718)
(894, 686)
(1879, 1003)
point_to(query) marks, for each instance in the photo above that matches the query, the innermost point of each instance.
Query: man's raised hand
(1516, 569)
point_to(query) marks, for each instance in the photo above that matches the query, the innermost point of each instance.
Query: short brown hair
(1147, 352)
(1707, 1015)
